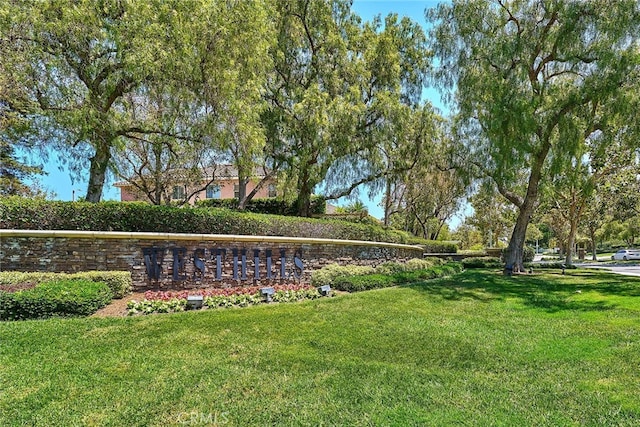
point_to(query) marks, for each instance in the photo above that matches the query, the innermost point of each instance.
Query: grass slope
(475, 349)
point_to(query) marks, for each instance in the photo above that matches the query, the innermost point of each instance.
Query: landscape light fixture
(325, 290)
(194, 302)
(267, 293)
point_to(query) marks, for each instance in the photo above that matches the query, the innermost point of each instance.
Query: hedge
(38, 214)
(119, 282)
(550, 265)
(376, 280)
(482, 262)
(329, 273)
(436, 246)
(55, 298)
(266, 206)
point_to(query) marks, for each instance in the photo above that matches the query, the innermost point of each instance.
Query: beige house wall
(227, 191)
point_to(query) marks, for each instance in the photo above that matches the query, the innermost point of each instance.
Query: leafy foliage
(482, 262)
(354, 278)
(169, 302)
(56, 298)
(436, 246)
(266, 206)
(18, 213)
(377, 280)
(119, 282)
(534, 82)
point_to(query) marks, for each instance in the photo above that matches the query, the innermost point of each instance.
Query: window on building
(178, 192)
(272, 190)
(236, 190)
(213, 191)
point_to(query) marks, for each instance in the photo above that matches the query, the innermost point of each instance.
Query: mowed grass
(474, 349)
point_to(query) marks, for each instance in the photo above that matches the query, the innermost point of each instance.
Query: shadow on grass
(548, 291)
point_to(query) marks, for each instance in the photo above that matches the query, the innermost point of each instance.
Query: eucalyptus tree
(335, 82)
(522, 71)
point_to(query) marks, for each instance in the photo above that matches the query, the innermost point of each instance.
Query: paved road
(628, 270)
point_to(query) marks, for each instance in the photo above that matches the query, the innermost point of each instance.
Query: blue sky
(61, 183)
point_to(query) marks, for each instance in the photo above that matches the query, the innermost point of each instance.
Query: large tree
(336, 81)
(522, 71)
(87, 67)
(76, 62)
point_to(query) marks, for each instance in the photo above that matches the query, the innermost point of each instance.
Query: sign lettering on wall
(290, 266)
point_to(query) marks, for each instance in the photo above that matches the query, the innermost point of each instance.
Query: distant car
(626, 254)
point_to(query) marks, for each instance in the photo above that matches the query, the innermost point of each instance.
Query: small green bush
(55, 298)
(482, 262)
(326, 275)
(437, 247)
(377, 280)
(119, 282)
(550, 265)
(363, 283)
(391, 267)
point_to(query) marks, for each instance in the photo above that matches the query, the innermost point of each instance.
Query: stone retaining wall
(175, 261)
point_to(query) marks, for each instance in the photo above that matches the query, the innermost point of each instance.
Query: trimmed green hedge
(119, 282)
(376, 281)
(436, 246)
(266, 206)
(482, 262)
(550, 265)
(55, 298)
(36, 214)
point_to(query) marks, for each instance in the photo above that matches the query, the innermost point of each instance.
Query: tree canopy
(525, 77)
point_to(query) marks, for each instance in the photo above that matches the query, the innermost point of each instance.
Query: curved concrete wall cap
(73, 234)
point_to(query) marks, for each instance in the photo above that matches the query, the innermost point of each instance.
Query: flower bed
(172, 301)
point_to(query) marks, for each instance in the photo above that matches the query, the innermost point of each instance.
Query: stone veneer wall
(188, 260)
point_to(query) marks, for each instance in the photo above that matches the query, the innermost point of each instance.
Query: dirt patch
(17, 287)
(118, 307)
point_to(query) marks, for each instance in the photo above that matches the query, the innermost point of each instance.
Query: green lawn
(476, 349)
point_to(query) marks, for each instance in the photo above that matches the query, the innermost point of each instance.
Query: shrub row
(550, 265)
(36, 214)
(482, 262)
(55, 298)
(328, 274)
(358, 278)
(118, 281)
(434, 246)
(266, 206)
(375, 281)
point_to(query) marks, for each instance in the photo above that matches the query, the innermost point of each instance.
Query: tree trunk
(594, 256)
(98, 171)
(304, 196)
(242, 191)
(515, 250)
(571, 240)
(387, 202)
